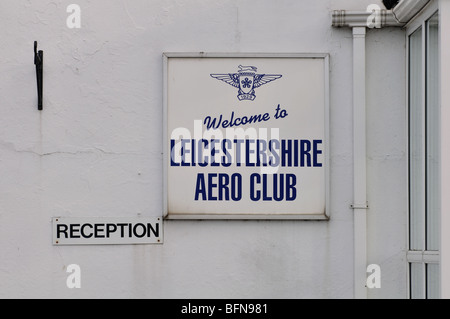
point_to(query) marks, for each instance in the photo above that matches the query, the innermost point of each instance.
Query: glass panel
(433, 282)
(416, 144)
(416, 277)
(433, 136)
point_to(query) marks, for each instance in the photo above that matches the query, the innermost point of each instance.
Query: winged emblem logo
(246, 80)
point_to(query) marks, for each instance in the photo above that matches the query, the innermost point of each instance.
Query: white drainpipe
(359, 161)
(359, 21)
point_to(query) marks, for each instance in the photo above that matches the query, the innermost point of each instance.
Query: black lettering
(122, 226)
(110, 228)
(98, 230)
(155, 230)
(83, 233)
(135, 230)
(73, 230)
(61, 228)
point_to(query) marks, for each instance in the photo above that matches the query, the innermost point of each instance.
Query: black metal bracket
(39, 62)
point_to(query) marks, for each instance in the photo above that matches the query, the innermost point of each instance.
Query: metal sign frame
(243, 215)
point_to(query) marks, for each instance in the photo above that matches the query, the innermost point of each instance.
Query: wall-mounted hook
(39, 62)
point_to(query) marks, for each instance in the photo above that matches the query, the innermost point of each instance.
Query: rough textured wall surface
(95, 150)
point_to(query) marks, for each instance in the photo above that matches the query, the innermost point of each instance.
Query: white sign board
(107, 230)
(246, 136)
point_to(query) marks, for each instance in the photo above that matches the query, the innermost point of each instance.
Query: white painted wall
(387, 160)
(444, 10)
(95, 150)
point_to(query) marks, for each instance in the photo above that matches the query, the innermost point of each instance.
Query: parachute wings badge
(246, 80)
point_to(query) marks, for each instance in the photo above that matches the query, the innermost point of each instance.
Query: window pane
(416, 144)
(433, 282)
(433, 136)
(416, 278)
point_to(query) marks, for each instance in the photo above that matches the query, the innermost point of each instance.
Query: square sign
(246, 136)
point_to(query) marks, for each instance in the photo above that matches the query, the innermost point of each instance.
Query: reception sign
(246, 136)
(107, 230)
